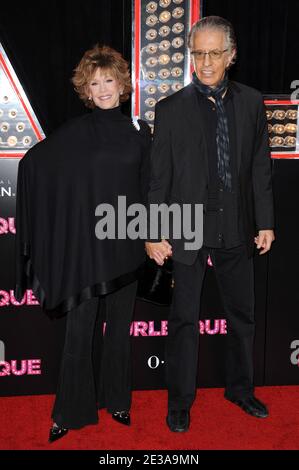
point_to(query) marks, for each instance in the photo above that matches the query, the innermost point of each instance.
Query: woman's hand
(158, 251)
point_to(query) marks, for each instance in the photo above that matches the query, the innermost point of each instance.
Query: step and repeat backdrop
(31, 343)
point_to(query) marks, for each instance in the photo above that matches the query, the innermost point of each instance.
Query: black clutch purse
(156, 282)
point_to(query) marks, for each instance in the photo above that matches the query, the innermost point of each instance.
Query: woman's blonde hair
(107, 59)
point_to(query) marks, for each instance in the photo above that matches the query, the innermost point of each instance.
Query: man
(211, 147)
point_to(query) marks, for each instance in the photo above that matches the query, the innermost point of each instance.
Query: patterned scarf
(222, 136)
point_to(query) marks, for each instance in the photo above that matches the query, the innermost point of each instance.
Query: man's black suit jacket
(179, 162)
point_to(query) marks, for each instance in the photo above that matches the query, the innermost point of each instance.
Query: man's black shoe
(251, 405)
(178, 420)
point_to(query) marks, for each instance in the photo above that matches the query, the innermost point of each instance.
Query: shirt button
(221, 209)
(221, 190)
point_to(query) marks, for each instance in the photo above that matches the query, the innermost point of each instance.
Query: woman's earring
(90, 98)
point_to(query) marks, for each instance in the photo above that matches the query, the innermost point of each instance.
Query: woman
(90, 160)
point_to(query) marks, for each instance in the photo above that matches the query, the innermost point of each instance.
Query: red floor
(215, 424)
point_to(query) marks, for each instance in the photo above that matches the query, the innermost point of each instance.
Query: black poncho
(88, 161)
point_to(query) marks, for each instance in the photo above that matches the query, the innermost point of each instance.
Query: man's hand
(264, 240)
(158, 251)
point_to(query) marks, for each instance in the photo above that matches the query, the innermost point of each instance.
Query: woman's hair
(107, 59)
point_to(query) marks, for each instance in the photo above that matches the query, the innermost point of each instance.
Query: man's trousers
(234, 273)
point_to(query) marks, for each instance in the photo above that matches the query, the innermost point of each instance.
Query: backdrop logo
(295, 354)
(151, 328)
(14, 107)
(18, 368)
(213, 327)
(7, 226)
(154, 362)
(8, 298)
(6, 188)
(143, 328)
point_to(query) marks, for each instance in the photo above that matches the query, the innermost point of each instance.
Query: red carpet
(215, 424)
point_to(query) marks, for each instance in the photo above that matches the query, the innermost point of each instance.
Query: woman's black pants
(96, 368)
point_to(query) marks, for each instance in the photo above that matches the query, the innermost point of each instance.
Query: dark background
(267, 37)
(45, 41)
